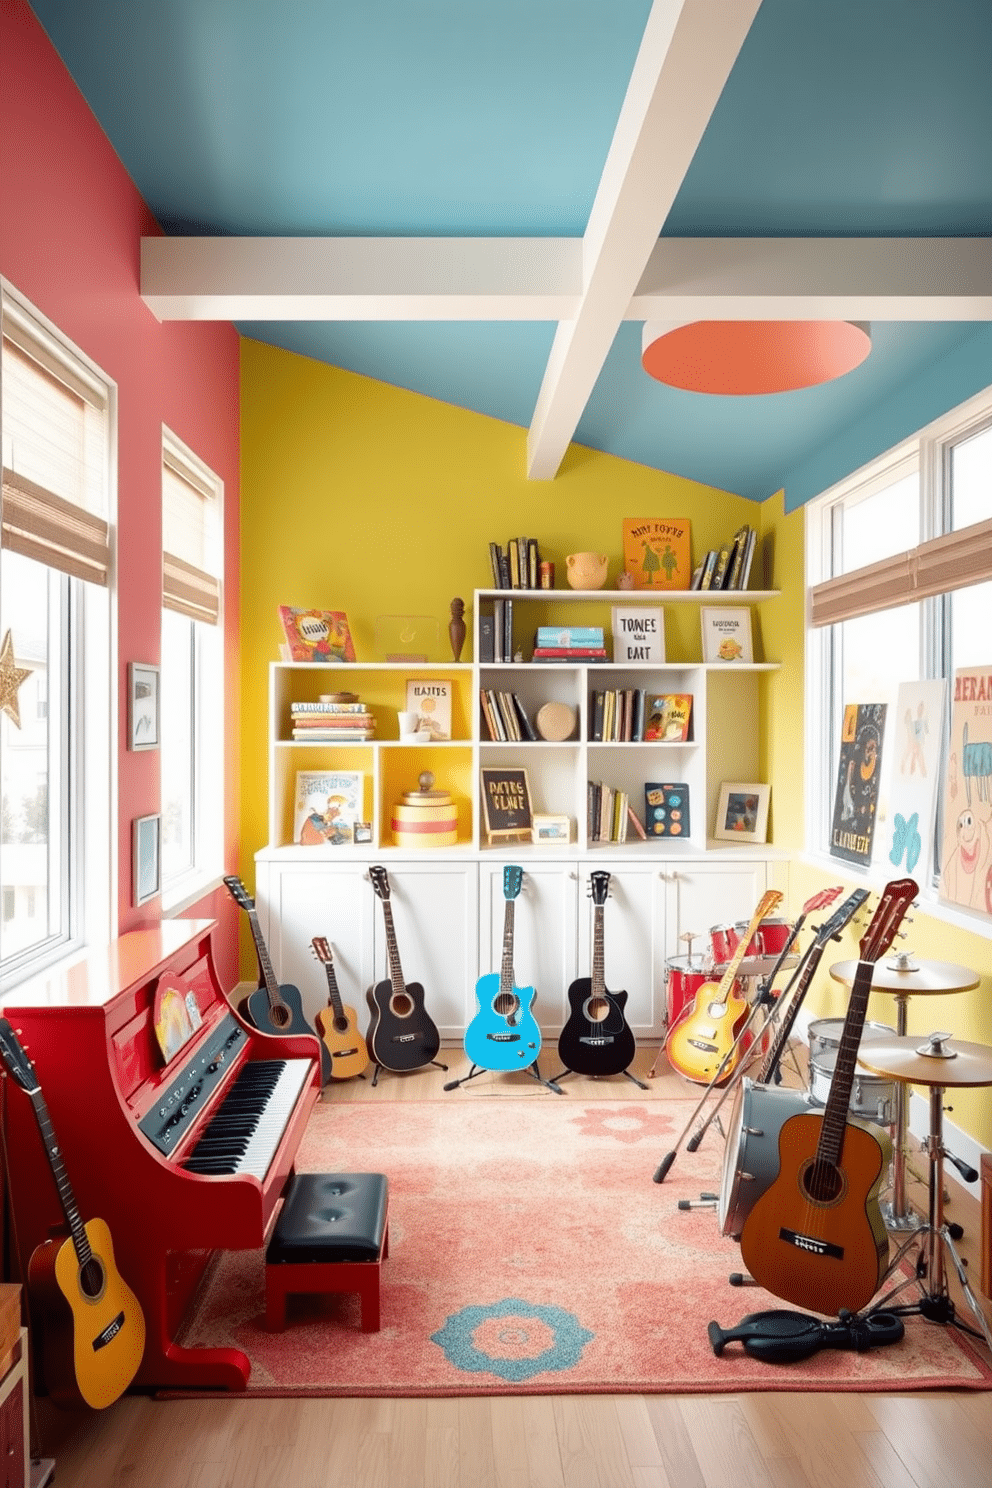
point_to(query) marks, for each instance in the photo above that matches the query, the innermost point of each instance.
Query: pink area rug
(531, 1252)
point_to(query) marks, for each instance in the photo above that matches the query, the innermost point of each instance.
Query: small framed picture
(742, 813)
(361, 832)
(726, 634)
(146, 856)
(506, 807)
(143, 713)
(548, 828)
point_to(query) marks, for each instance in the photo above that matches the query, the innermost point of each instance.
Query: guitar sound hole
(280, 1015)
(823, 1182)
(91, 1279)
(402, 1005)
(506, 1005)
(341, 1025)
(597, 1008)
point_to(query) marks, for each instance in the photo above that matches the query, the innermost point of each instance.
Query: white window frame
(928, 451)
(89, 862)
(208, 712)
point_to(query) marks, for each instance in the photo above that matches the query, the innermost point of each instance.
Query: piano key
(262, 1119)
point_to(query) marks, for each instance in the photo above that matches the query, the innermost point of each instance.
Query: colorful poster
(656, 552)
(966, 848)
(856, 801)
(917, 729)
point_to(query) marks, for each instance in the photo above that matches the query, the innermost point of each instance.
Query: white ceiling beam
(685, 58)
(911, 279)
(361, 278)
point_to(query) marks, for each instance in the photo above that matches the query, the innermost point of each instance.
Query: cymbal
(920, 976)
(927, 1059)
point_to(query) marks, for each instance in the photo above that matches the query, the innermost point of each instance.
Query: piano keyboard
(247, 1127)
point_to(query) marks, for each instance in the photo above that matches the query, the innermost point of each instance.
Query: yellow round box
(425, 818)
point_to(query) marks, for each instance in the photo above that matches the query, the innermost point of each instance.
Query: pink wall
(71, 221)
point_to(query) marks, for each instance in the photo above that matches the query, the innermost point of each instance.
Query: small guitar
(504, 1034)
(93, 1336)
(401, 1035)
(703, 1040)
(596, 1039)
(272, 1008)
(337, 1024)
(816, 1236)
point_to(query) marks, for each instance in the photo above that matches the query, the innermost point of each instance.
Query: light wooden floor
(941, 1439)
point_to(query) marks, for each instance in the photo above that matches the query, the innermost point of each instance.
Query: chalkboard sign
(505, 804)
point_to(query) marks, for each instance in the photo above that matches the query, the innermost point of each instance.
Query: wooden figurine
(456, 628)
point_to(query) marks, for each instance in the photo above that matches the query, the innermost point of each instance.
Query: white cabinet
(435, 917)
(695, 892)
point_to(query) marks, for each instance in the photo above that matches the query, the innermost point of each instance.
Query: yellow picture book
(656, 551)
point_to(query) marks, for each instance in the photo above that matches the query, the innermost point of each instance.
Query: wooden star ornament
(11, 678)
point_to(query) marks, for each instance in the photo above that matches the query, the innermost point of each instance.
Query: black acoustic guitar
(596, 1039)
(272, 1008)
(401, 1035)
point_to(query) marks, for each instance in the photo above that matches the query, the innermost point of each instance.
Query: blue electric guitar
(504, 1034)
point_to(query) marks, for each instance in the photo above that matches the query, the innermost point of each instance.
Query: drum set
(684, 975)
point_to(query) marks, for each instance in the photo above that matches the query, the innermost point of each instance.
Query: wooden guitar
(401, 1035)
(703, 1040)
(596, 1039)
(337, 1024)
(272, 1008)
(504, 1034)
(93, 1333)
(816, 1236)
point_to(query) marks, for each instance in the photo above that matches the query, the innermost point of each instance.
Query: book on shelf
(333, 704)
(487, 637)
(513, 554)
(638, 633)
(721, 568)
(738, 551)
(656, 550)
(488, 706)
(316, 635)
(326, 806)
(504, 703)
(748, 556)
(634, 822)
(607, 812)
(494, 556)
(570, 653)
(430, 699)
(569, 635)
(668, 716)
(726, 634)
(666, 809)
(527, 729)
(533, 563)
(709, 565)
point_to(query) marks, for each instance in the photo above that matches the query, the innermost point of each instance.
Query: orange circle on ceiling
(742, 357)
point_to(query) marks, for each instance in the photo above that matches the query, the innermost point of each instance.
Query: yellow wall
(366, 498)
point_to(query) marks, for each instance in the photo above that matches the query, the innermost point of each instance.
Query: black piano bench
(332, 1235)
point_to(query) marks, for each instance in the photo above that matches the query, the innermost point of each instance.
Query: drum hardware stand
(530, 1069)
(639, 1083)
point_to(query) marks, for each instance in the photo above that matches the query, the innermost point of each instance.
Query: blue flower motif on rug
(513, 1339)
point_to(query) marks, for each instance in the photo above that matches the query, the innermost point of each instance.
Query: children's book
(656, 550)
(327, 805)
(430, 699)
(317, 635)
(666, 809)
(667, 716)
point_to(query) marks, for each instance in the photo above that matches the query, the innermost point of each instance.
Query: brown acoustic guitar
(337, 1025)
(816, 1236)
(92, 1326)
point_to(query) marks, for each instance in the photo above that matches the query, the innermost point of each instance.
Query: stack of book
(610, 816)
(575, 643)
(505, 716)
(518, 566)
(729, 566)
(632, 715)
(332, 721)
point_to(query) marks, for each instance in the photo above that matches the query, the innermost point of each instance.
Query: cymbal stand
(935, 1238)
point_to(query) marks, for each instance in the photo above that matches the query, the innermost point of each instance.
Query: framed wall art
(742, 812)
(146, 858)
(144, 720)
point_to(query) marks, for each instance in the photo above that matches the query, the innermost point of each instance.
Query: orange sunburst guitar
(700, 1042)
(93, 1329)
(337, 1024)
(816, 1236)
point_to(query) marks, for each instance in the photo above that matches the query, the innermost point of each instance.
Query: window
(55, 569)
(900, 566)
(192, 674)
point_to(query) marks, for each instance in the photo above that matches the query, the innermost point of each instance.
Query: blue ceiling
(453, 118)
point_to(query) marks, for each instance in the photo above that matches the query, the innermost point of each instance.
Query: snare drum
(751, 1158)
(724, 940)
(872, 1097)
(683, 979)
(825, 1034)
(773, 937)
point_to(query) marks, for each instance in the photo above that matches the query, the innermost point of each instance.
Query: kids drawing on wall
(966, 867)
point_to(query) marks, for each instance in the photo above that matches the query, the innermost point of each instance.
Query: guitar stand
(479, 1069)
(639, 1083)
(435, 1062)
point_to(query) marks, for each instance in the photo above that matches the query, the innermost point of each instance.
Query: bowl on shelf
(586, 570)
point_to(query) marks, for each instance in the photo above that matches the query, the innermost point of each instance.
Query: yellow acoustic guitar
(93, 1329)
(337, 1024)
(700, 1042)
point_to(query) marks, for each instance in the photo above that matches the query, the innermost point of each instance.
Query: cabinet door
(435, 917)
(297, 901)
(701, 895)
(633, 941)
(544, 934)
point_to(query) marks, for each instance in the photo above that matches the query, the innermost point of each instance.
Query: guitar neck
(506, 971)
(806, 975)
(598, 976)
(392, 950)
(262, 950)
(66, 1197)
(333, 995)
(835, 1113)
